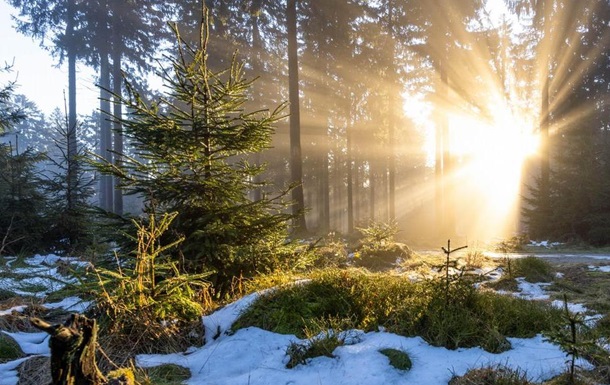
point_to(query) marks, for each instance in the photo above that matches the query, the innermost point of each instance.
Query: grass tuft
(496, 375)
(533, 269)
(398, 359)
(167, 374)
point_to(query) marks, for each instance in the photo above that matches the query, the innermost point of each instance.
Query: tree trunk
(117, 78)
(296, 163)
(393, 110)
(350, 181)
(73, 346)
(71, 133)
(106, 194)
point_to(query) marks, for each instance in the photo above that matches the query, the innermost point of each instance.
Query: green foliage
(329, 251)
(323, 344)
(569, 337)
(68, 187)
(22, 202)
(533, 269)
(192, 148)
(167, 374)
(398, 359)
(148, 298)
(10, 114)
(377, 248)
(9, 349)
(460, 316)
(512, 245)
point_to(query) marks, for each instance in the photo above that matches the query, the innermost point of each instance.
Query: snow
(255, 356)
(603, 269)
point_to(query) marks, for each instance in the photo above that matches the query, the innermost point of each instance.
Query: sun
(489, 158)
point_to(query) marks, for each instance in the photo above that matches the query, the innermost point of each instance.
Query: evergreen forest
(281, 120)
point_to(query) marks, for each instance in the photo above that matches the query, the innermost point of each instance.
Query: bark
(117, 78)
(73, 347)
(296, 163)
(71, 139)
(106, 196)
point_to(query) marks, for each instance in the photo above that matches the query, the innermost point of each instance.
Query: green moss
(123, 376)
(167, 374)
(398, 359)
(300, 352)
(9, 349)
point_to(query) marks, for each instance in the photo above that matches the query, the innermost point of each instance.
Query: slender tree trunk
(257, 69)
(72, 143)
(393, 110)
(350, 185)
(106, 193)
(296, 163)
(545, 118)
(117, 113)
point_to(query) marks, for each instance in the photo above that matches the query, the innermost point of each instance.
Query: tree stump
(73, 347)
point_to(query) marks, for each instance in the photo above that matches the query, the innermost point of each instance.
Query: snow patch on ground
(603, 269)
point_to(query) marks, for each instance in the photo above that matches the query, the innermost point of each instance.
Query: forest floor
(253, 356)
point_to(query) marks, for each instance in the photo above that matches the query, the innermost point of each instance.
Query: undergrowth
(146, 305)
(492, 375)
(460, 317)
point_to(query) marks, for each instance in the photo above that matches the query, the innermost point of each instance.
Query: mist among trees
(364, 85)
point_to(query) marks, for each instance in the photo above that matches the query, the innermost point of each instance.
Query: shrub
(143, 305)
(533, 269)
(377, 248)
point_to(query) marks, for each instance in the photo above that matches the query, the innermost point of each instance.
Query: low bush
(377, 248)
(146, 304)
(533, 269)
(453, 316)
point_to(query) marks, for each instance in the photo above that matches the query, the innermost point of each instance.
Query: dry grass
(35, 371)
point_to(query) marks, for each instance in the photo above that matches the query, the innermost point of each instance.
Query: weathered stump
(73, 347)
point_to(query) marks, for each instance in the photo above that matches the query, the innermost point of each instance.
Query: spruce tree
(191, 148)
(69, 188)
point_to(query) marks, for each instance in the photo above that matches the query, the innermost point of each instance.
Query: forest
(289, 160)
(377, 92)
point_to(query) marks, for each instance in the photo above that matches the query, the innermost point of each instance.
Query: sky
(36, 71)
(257, 357)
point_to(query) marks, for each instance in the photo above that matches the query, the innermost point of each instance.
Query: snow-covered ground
(253, 356)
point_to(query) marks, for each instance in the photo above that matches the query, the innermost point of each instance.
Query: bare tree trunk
(106, 194)
(296, 162)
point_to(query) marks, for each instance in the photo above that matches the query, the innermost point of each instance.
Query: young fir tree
(68, 187)
(21, 201)
(191, 151)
